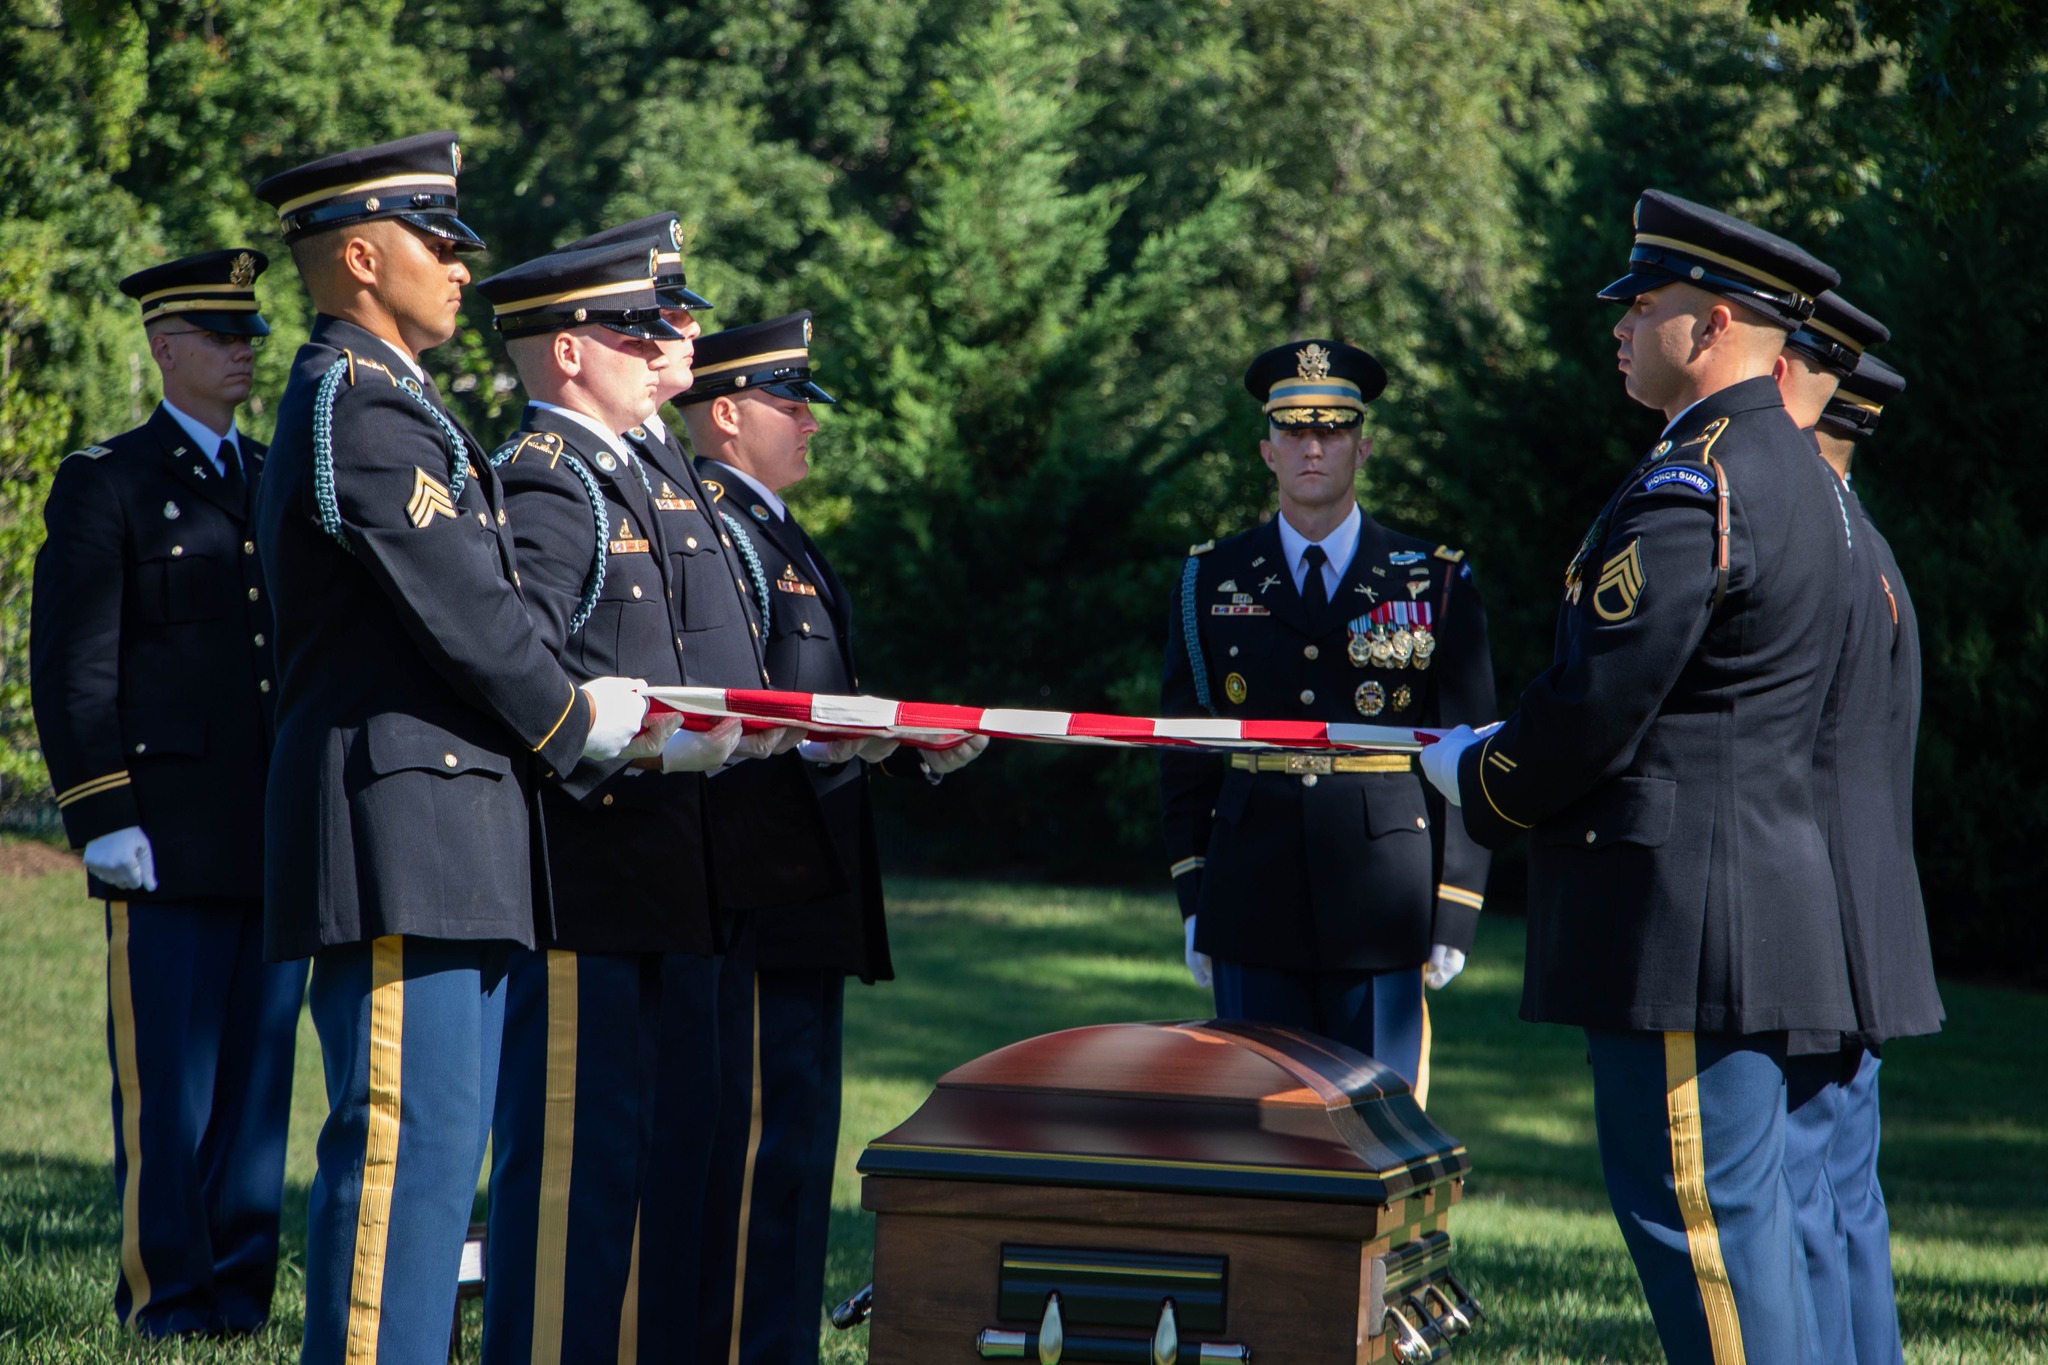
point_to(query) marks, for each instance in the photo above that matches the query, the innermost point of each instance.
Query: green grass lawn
(982, 964)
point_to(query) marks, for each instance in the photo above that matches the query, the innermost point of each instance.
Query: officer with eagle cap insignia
(1682, 907)
(1321, 892)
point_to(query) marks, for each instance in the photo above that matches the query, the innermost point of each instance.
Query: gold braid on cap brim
(1316, 417)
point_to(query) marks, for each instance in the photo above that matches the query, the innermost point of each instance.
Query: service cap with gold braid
(669, 280)
(1854, 409)
(606, 286)
(1318, 383)
(412, 180)
(214, 291)
(1680, 242)
(772, 357)
(1837, 334)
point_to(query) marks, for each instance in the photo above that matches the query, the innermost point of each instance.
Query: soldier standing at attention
(1866, 801)
(782, 992)
(576, 1087)
(1682, 908)
(151, 671)
(1321, 892)
(418, 709)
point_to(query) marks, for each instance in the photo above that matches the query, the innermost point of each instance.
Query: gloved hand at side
(1199, 966)
(1444, 963)
(616, 710)
(124, 859)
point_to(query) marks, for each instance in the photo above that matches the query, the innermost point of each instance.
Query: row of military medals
(1396, 635)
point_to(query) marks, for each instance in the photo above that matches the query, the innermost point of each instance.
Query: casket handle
(1410, 1347)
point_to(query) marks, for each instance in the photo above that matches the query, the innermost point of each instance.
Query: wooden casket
(1159, 1193)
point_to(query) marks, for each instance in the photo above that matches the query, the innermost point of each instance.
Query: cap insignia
(242, 273)
(807, 331)
(653, 262)
(675, 233)
(455, 158)
(1312, 362)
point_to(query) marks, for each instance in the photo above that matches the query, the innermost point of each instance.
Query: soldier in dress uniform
(418, 710)
(576, 1090)
(782, 992)
(1865, 781)
(151, 671)
(1681, 904)
(1318, 892)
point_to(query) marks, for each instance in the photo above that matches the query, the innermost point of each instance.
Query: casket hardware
(1410, 1347)
(1166, 1337)
(1050, 1344)
(1460, 1324)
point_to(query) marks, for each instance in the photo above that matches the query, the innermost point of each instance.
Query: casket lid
(1209, 1107)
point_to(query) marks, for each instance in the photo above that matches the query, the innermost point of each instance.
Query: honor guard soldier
(624, 838)
(1866, 799)
(1681, 905)
(418, 710)
(1318, 891)
(153, 681)
(782, 995)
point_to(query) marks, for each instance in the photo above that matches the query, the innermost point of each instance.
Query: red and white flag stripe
(933, 725)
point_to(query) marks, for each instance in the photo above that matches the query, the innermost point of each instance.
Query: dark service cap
(214, 290)
(1838, 333)
(412, 180)
(667, 230)
(774, 356)
(1854, 409)
(1680, 242)
(1317, 383)
(606, 286)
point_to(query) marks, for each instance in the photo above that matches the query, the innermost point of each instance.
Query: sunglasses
(224, 340)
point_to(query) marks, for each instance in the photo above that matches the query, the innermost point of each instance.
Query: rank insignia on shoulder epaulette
(92, 452)
(1620, 585)
(1203, 548)
(1406, 557)
(1446, 552)
(429, 499)
(1698, 480)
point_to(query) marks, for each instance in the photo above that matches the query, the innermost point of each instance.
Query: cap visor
(445, 225)
(653, 329)
(1635, 284)
(799, 391)
(681, 296)
(229, 324)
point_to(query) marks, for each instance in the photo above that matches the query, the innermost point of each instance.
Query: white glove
(829, 751)
(768, 743)
(124, 859)
(1444, 964)
(616, 710)
(1440, 760)
(939, 762)
(876, 749)
(1198, 963)
(701, 751)
(653, 740)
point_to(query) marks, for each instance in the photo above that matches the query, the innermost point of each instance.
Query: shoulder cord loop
(1191, 630)
(745, 545)
(323, 448)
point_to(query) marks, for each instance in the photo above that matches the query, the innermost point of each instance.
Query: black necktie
(231, 474)
(1314, 595)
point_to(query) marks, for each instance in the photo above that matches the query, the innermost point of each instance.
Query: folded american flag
(932, 725)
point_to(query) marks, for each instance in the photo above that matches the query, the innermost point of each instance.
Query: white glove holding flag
(616, 710)
(768, 743)
(653, 741)
(1440, 760)
(701, 751)
(939, 762)
(1199, 966)
(1444, 963)
(124, 859)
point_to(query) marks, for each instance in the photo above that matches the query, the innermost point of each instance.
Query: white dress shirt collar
(203, 436)
(1341, 545)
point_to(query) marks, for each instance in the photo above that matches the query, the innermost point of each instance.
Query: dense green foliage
(1042, 239)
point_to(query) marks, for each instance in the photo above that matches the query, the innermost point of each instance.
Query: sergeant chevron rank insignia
(1621, 583)
(429, 499)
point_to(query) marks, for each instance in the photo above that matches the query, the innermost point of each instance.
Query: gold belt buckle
(1309, 763)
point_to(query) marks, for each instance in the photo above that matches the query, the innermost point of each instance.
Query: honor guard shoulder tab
(1203, 548)
(1447, 553)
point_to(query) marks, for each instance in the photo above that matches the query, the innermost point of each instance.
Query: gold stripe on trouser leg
(128, 1075)
(629, 1310)
(739, 1261)
(557, 1156)
(380, 1148)
(1689, 1177)
(1422, 1063)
